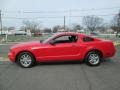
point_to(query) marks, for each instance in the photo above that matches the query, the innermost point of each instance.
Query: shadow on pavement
(59, 63)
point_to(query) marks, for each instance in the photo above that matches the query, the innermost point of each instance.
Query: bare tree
(47, 30)
(56, 28)
(31, 25)
(92, 22)
(76, 27)
(103, 27)
(115, 24)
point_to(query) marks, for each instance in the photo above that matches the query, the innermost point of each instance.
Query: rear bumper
(110, 53)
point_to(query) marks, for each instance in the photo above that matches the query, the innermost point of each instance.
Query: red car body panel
(45, 52)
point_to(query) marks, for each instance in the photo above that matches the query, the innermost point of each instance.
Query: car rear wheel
(26, 59)
(93, 58)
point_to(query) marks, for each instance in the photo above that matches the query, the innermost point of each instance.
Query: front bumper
(11, 56)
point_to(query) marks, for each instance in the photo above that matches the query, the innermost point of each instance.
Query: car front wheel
(93, 58)
(25, 59)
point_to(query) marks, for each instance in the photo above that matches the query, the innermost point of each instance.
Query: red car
(61, 47)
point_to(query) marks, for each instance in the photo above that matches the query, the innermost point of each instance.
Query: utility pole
(70, 13)
(64, 22)
(6, 35)
(119, 21)
(1, 21)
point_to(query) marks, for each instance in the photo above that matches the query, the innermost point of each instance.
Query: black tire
(29, 59)
(93, 62)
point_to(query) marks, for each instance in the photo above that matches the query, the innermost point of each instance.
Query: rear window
(88, 39)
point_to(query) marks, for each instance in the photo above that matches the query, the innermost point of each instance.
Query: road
(62, 76)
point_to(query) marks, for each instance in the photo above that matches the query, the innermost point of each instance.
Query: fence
(24, 38)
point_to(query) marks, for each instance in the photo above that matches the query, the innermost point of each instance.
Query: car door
(62, 49)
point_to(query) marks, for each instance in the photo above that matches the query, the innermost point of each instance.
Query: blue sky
(12, 8)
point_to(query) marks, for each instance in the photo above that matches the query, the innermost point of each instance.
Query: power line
(63, 11)
(31, 18)
(56, 16)
(94, 9)
(96, 15)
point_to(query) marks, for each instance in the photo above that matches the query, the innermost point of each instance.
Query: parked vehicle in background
(20, 33)
(66, 46)
(37, 34)
(94, 33)
(118, 35)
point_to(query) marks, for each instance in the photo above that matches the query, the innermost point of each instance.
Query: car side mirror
(52, 42)
(41, 41)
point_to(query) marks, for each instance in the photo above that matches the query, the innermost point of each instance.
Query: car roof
(70, 33)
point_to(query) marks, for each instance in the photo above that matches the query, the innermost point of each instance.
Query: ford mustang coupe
(66, 46)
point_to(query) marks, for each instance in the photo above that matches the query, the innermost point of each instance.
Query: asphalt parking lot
(61, 76)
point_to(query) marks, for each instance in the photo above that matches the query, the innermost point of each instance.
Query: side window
(88, 39)
(66, 39)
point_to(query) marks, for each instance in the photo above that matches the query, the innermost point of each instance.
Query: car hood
(27, 44)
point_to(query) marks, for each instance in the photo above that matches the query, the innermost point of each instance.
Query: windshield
(49, 38)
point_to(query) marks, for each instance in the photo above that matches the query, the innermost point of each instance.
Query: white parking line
(4, 59)
(7, 44)
(12, 43)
